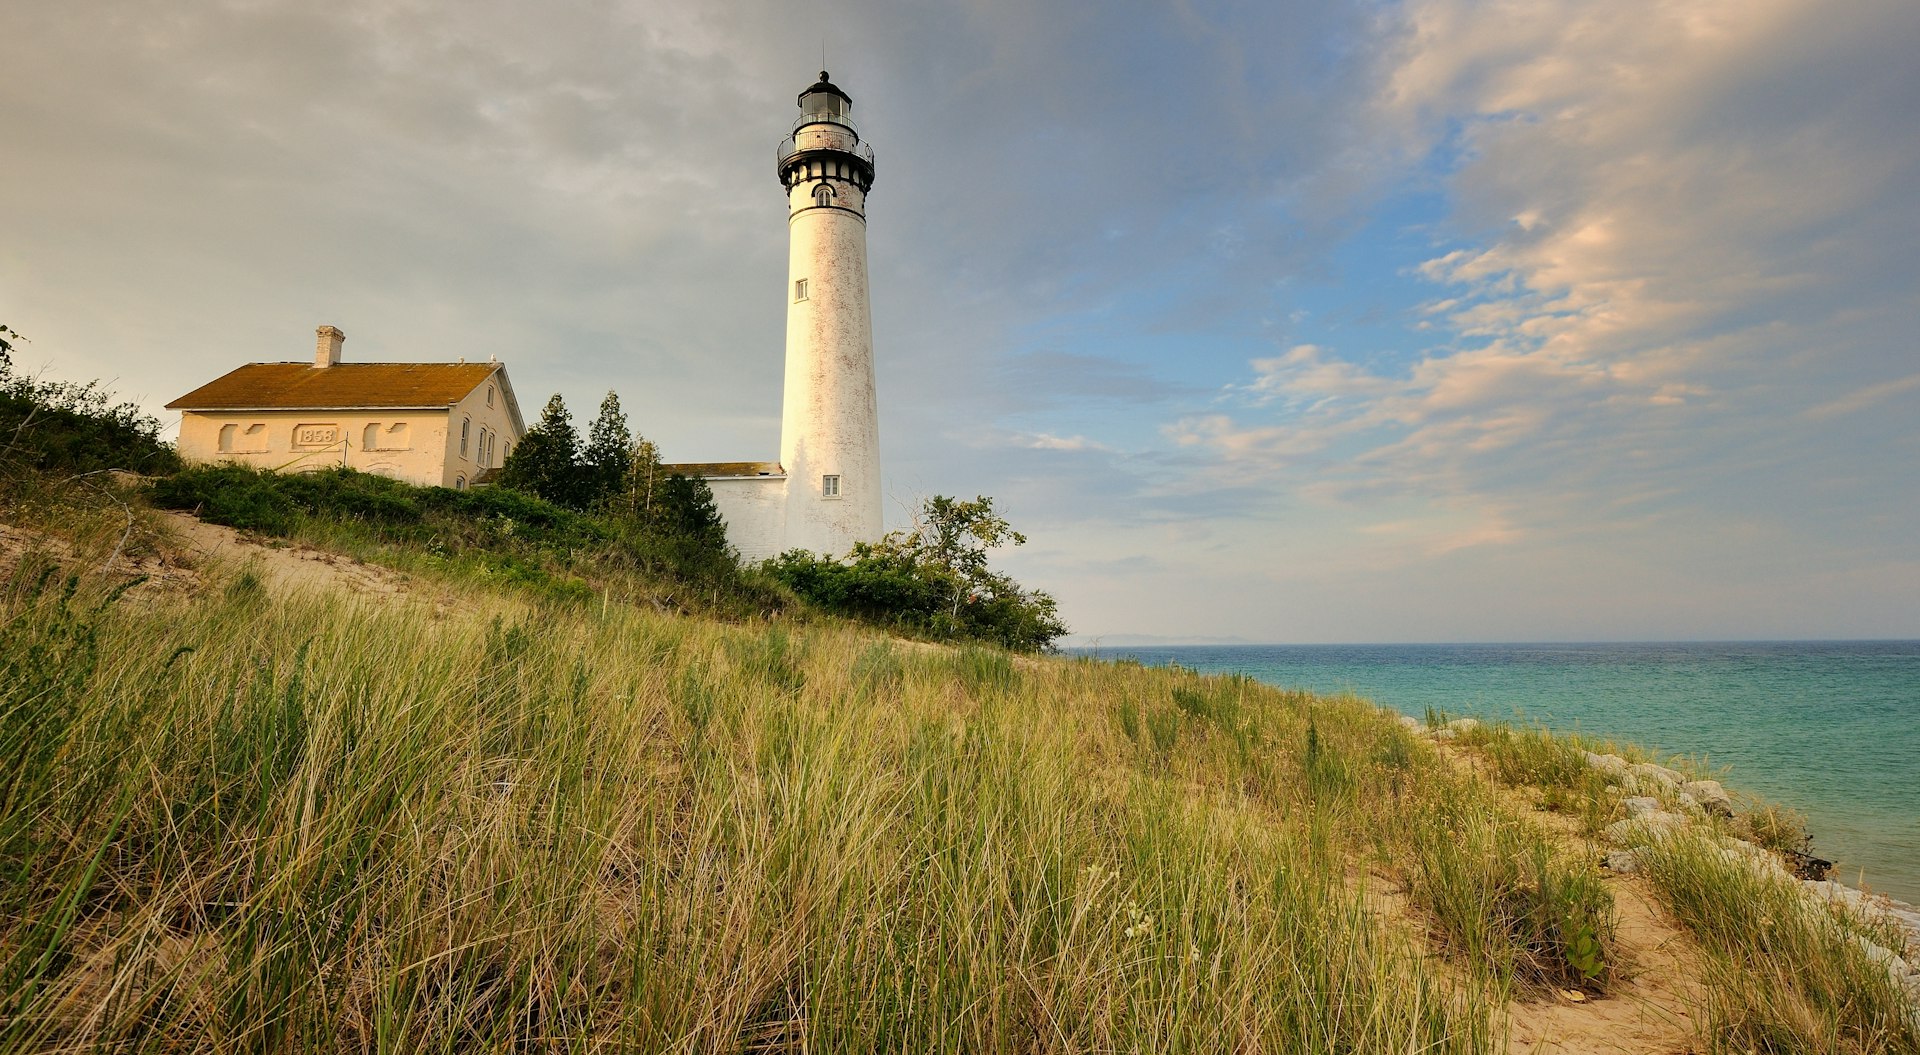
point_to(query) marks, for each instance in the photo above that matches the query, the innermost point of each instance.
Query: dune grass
(300, 822)
(1785, 975)
(306, 822)
(516, 821)
(1783, 972)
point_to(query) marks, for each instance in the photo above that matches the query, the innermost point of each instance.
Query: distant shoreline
(1806, 724)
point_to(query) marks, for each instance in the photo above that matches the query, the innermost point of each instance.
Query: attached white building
(432, 424)
(824, 493)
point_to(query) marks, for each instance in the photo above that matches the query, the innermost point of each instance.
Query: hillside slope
(352, 811)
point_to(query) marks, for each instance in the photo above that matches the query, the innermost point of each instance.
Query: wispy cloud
(1861, 398)
(1046, 441)
(1333, 309)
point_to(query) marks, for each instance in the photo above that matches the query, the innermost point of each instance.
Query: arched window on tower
(823, 195)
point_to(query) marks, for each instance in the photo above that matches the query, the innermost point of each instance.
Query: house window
(799, 289)
(830, 486)
(459, 483)
(466, 425)
(489, 395)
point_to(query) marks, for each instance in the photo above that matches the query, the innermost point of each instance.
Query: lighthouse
(830, 430)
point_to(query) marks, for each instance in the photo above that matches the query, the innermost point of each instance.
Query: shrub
(59, 426)
(932, 580)
(509, 535)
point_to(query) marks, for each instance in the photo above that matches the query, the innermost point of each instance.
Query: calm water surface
(1829, 728)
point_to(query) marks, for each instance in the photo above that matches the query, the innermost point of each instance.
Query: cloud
(1631, 285)
(1861, 398)
(1049, 442)
(1333, 309)
(1305, 372)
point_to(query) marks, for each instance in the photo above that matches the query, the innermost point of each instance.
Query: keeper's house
(433, 424)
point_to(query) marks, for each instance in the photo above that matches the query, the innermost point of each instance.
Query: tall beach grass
(314, 822)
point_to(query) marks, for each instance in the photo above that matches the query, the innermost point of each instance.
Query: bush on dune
(519, 536)
(931, 579)
(60, 426)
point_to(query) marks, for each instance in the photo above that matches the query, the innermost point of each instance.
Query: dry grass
(286, 820)
(303, 822)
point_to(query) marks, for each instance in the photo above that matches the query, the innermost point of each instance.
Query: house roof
(303, 386)
(717, 470)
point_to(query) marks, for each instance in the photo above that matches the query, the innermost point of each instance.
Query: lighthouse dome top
(826, 88)
(824, 101)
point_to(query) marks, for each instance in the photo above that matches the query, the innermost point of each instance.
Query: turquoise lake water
(1831, 729)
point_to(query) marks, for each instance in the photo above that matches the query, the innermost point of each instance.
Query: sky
(1280, 321)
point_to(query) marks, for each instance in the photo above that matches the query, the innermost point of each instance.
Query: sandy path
(1651, 1005)
(283, 566)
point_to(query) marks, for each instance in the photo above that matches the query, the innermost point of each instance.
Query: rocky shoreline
(1661, 803)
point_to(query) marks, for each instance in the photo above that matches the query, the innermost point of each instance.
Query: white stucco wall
(427, 453)
(302, 440)
(829, 414)
(754, 508)
(496, 420)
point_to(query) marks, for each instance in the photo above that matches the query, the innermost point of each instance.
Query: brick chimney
(327, 351)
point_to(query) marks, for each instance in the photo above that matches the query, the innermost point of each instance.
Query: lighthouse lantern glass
(823, 104)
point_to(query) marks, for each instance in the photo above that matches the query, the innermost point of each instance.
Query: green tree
(688, 511)
(933, 578)
(546, 462)
(954, 536)
(640, 490)
(608, 454)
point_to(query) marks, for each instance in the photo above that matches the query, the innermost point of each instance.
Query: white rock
(1751, 857)
(1625, 862)
(1712, 797)
(1640, 805)
(1443, 734)
(1842, 895)
(1868, 906)
(1646, 828)
(1666, 778)
(1414, 725)
(1611, 765)
(1463, 725)
(1896, 966)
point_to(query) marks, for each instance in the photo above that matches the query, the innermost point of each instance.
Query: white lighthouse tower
(829, 431)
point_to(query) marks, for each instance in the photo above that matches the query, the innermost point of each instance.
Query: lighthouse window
(823, 195)
(829, 486)
(799, 289)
